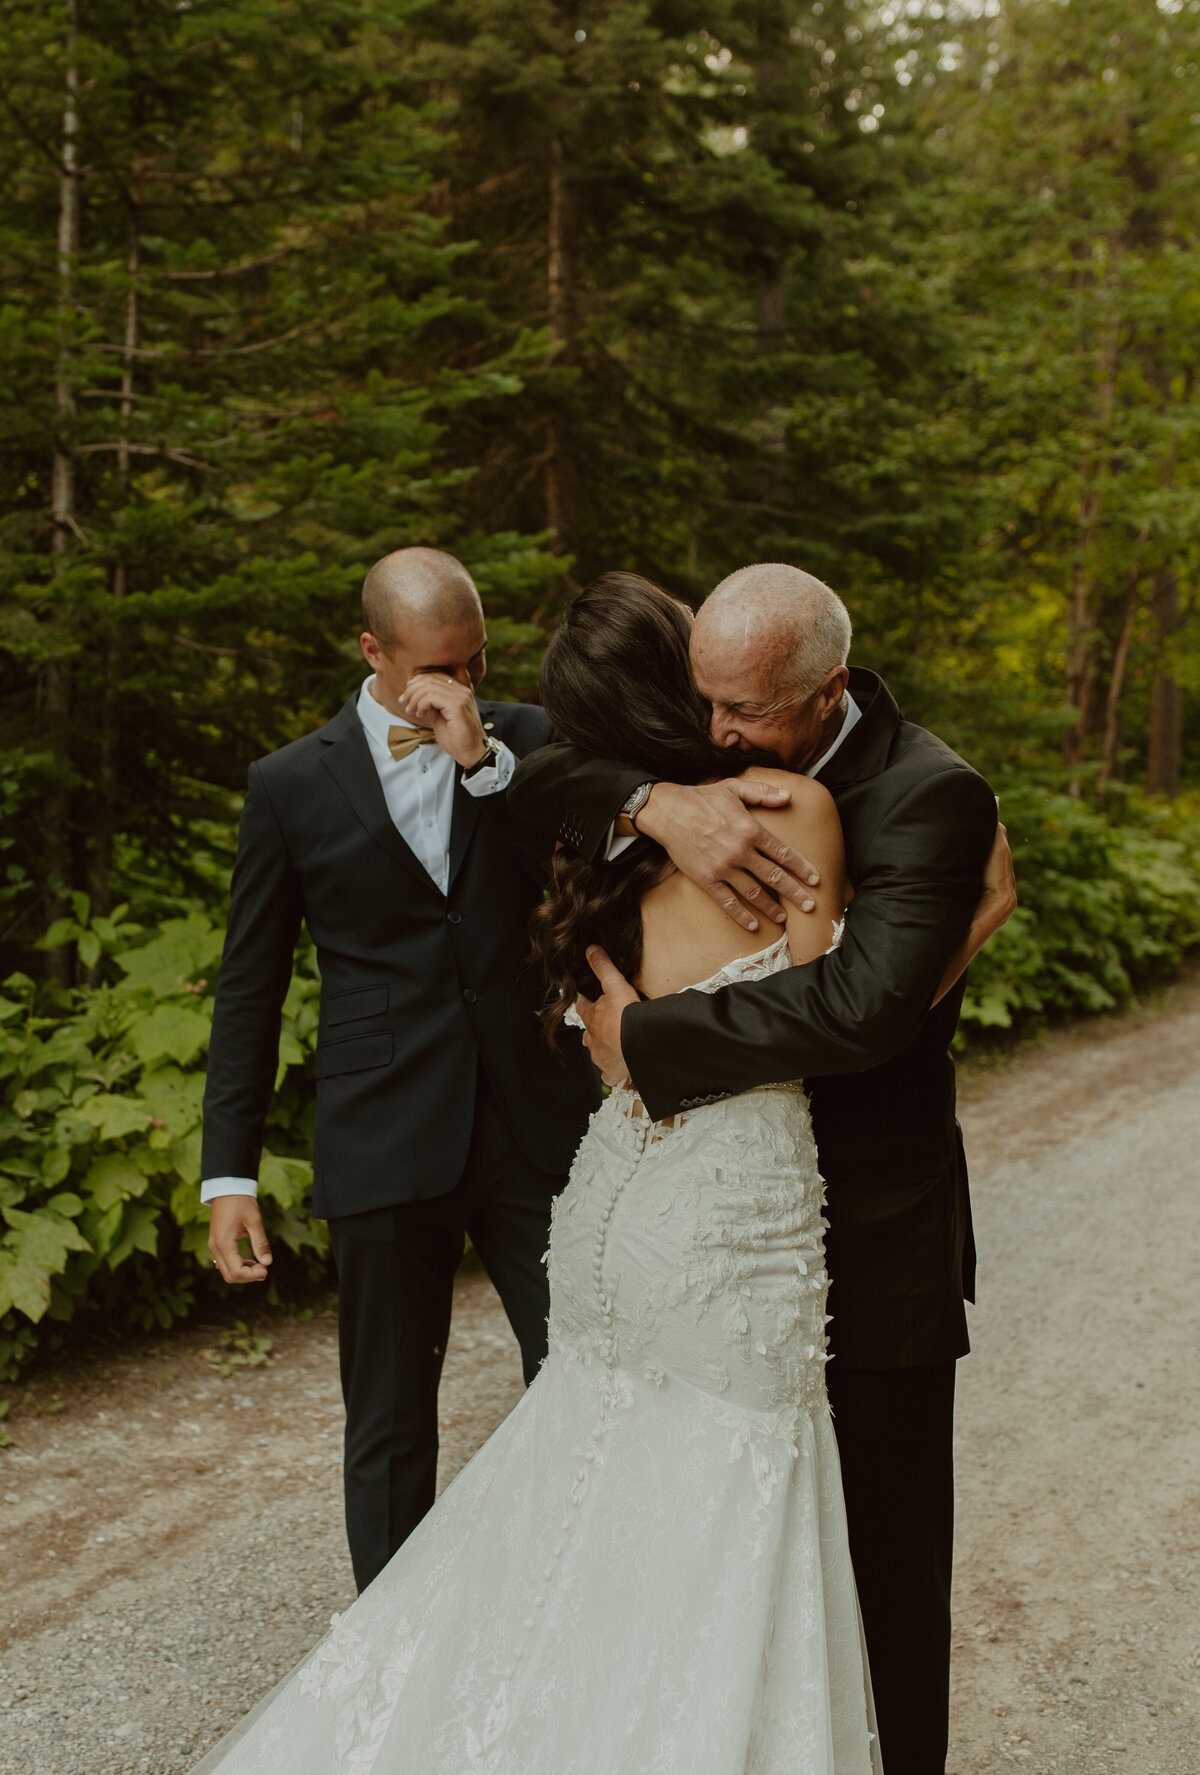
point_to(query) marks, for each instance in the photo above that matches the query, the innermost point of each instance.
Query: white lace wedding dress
(645, 1570)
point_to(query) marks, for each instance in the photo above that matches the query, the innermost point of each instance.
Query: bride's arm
(997, 904)
(918, 867)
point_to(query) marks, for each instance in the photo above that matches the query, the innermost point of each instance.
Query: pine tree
(1079, 244)
(678, 197)
(220, 319)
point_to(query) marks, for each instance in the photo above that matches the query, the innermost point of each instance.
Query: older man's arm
(574, 798)
(847, 1011)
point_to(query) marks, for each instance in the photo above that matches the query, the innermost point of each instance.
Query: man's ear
(370, 648)
(835, 689)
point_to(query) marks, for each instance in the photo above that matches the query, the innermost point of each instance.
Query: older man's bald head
(417, 588)
(790, 626)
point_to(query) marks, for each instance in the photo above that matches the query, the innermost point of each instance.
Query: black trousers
(895, 1431)
(395, 1285)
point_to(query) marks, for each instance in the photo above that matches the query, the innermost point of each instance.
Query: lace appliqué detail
(345, 1674)
(692, 1252)
(646, 1567)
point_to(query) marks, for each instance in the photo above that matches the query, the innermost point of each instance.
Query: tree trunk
(1110, 758)
(560, 303)
(1082, 673)
(56, 678)
(771, 306)
(1083, 669)
(1165, 756)
(105, 781)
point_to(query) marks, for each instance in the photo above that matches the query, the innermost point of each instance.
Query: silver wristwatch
(634, 803)
(491, 753)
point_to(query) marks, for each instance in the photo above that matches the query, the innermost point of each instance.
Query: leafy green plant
(239, 1347)
(1108, 906)
(100, 1098)
(101, 1087)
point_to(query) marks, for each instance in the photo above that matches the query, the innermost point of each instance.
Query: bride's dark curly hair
(615, 680)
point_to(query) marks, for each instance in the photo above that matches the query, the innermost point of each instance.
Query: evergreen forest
(905, 292)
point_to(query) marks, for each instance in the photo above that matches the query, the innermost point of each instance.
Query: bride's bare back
(685, 935)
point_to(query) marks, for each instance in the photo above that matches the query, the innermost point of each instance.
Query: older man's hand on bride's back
(602, 1017)
(711, 838)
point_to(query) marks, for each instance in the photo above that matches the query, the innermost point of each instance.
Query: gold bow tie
(403, 740)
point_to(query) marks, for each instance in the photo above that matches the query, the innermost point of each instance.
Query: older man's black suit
(918, 824)
(440, 1110)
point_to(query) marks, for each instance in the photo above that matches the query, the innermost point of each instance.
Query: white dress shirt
(419, 789)
(419, 792)
(853, 717)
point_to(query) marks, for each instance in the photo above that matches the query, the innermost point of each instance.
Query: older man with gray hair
(769, 651)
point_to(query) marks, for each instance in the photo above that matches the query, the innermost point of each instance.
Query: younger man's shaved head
(416, 588)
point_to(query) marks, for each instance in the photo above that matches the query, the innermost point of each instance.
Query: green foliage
(100, 1096)
(908, 297)
(1109, 906)
(101, 1087)
(239, 1347)
(239, 384)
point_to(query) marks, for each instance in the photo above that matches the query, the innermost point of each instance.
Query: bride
(645, 1570)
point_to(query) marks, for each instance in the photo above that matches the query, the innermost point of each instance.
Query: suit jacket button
(468, 995)
(454, 918)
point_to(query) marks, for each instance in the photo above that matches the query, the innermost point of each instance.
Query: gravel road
(171, 1541)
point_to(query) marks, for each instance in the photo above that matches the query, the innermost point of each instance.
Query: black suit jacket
(417, 986)
(855, 1025)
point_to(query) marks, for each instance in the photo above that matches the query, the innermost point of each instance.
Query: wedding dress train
(645, 1570)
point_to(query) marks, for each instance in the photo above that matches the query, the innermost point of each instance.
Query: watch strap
(491, 753)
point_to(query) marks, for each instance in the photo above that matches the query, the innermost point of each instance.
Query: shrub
(100, 1088)
(100, 1094)
(1108, 906)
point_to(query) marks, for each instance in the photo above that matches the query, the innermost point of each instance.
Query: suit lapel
(869, 746)
(347, 757)
(463, 822)
(465, 816)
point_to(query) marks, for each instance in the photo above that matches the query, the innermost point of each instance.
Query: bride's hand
(602, 1018)
(709, 836)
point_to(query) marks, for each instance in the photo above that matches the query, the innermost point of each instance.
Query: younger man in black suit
(441, 1111)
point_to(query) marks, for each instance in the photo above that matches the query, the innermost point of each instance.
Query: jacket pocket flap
(356, 1053)
(348, 1007)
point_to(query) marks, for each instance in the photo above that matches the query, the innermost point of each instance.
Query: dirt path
(171, 1541)
(1078, 1595)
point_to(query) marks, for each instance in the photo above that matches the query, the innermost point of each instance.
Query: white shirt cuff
(490, 778)
(212, 1187)
(616, 847)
